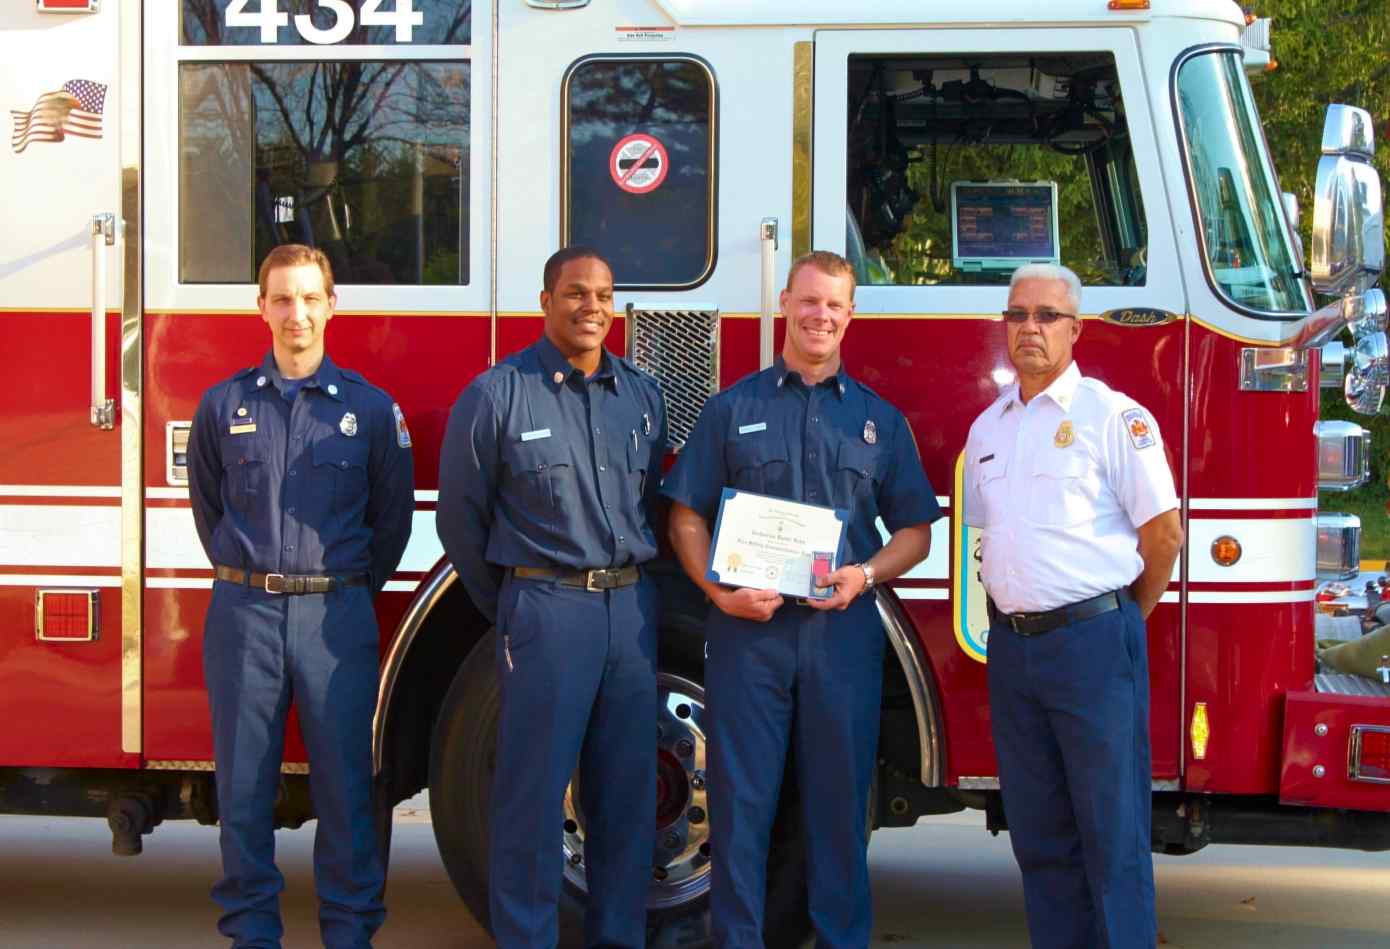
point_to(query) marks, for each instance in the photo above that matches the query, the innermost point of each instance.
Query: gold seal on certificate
(774, 544)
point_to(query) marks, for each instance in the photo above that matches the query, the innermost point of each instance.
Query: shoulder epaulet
(868, 390)
(243, 373)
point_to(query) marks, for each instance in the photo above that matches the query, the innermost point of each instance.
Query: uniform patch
(348, 424)
(1065, 435)
(402, 433)
(750, 429)
(1140, 429)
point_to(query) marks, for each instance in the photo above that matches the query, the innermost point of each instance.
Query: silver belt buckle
(274, 576)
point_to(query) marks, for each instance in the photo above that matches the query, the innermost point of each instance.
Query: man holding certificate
(775, 500)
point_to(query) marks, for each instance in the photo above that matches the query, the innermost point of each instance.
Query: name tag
(755, 427)
(538, 433)
(246, 428)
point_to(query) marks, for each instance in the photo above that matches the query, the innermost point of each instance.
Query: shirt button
(815, 418)
(597, 430)
(811, 455)
(621, 538)
(342, 464)
(602, 468)
(289, 510)
(293, 472)
(540, 467)
(289, 546)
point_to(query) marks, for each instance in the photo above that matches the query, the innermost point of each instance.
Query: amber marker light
(1129, 4)
(1200, 731)
(1225, 550)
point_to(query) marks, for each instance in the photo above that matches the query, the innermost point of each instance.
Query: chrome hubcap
(680, 857)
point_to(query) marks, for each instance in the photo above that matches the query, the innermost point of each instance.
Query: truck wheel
(462, 759)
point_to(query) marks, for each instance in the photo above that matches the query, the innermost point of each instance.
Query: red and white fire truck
(440, 151)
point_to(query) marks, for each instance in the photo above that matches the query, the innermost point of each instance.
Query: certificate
(774, 544)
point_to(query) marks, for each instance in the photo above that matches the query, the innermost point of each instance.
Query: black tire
(462, 759)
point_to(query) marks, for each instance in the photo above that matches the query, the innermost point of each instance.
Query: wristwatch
(868, 577)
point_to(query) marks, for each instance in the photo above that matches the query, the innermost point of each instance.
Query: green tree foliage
(1331, 51)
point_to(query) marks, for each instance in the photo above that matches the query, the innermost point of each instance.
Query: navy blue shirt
(836, 444)
(321, 484)
(542, 467)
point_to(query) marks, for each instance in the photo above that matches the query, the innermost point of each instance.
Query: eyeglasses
(1045, 316)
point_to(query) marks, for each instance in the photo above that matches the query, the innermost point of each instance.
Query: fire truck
(440, 151)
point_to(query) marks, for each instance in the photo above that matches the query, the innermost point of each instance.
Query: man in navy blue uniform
(302, 487)
(801, 675)
(548, 482)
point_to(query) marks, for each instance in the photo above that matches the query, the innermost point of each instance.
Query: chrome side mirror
(1348, 252)
(1347, 130)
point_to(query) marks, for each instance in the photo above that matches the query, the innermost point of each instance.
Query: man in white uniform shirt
(1068, 480)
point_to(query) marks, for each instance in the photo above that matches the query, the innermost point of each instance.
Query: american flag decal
(74, 109)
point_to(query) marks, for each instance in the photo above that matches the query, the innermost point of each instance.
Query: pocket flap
(1062, 463)
(340, 451)
(749, 451)
(536, 455)
(858, 456)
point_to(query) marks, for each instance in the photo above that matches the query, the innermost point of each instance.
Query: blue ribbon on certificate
(774, 544)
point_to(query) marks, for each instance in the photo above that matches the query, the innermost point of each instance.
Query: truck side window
(919, 123)
(638, 170)
(367, 160)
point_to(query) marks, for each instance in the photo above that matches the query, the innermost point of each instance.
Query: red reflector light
(65, 615)
(1374, 757)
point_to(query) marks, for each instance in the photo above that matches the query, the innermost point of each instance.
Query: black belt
(1035, 624)
(289, 583)
(604, 578)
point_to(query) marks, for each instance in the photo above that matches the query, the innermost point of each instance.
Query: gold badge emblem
(1065, 436)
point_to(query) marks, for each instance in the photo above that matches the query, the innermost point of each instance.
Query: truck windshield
(1243, 232)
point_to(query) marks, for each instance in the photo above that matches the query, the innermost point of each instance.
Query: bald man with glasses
(1069, 483)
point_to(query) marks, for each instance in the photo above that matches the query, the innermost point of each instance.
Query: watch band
(869, 579)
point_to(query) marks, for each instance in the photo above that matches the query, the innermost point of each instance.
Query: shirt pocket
(342, 462)
(540, 472)
(858, 474)
(245, 469)
(991, 487)
(1063, 489)
(639, 454)
(759, 464)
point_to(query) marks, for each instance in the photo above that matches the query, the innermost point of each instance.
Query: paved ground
(945, 884)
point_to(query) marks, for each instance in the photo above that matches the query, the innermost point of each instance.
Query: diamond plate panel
(681, 349)
(1337, 683)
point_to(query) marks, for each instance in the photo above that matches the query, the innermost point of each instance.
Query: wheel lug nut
(697, 780)
(685, 748)
(576, 859)
(696, 815)
(571, 827)
(659, 873)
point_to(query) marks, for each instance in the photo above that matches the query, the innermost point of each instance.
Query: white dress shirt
(1059, 487)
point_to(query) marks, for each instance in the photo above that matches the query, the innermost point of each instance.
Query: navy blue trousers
(260, 652)
(1070, 715)
(810, 682)
(578, 674)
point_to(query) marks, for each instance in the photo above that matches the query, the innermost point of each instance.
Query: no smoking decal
(638, 164)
